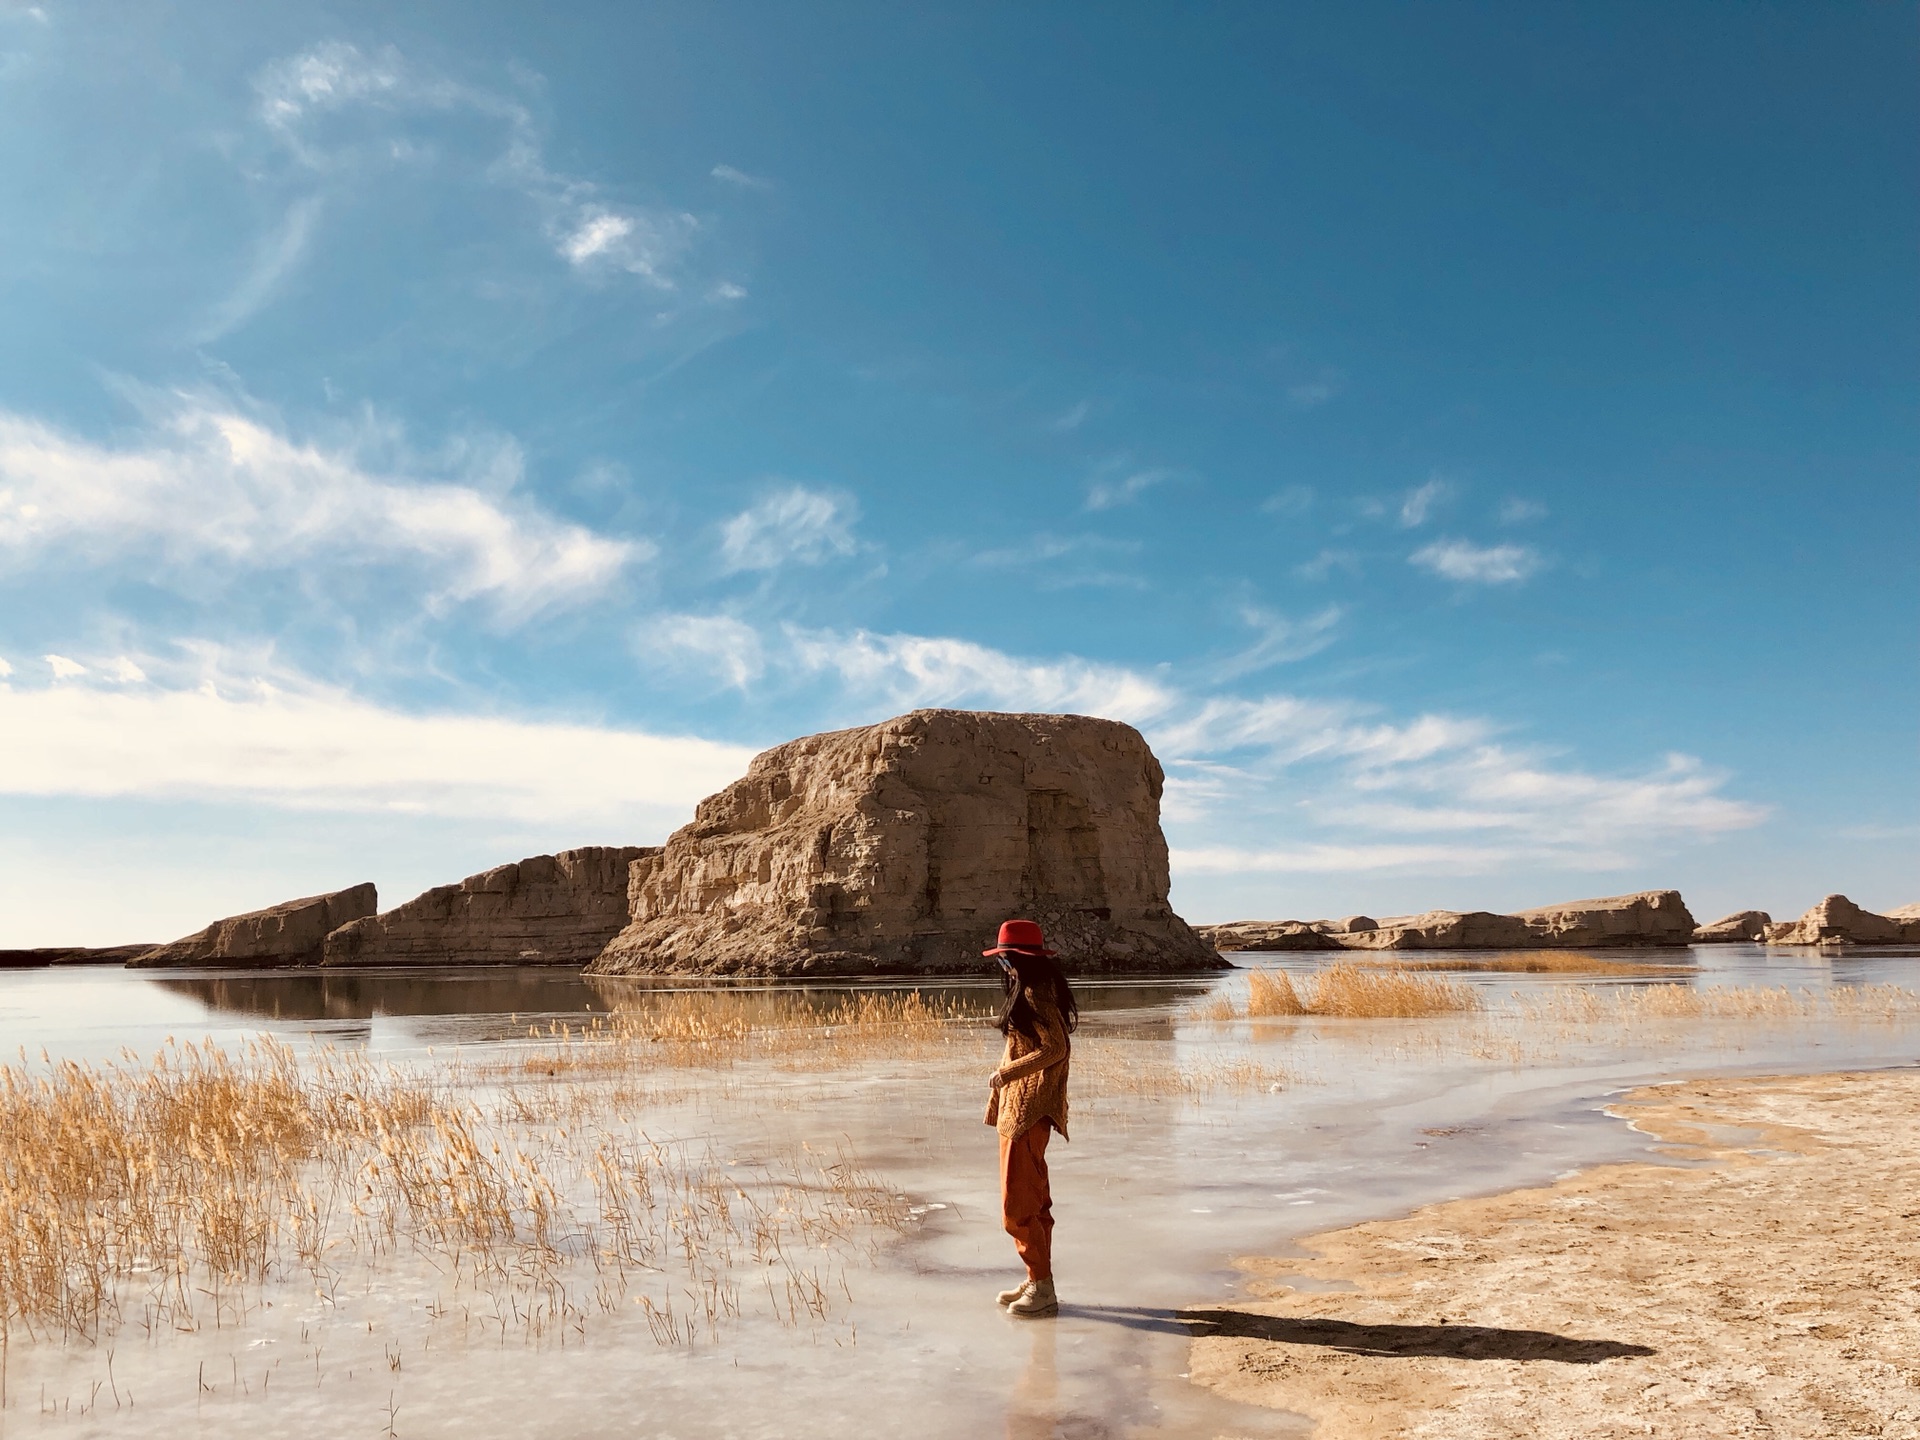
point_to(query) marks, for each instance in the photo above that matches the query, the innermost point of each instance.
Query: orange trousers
(1026, 1201)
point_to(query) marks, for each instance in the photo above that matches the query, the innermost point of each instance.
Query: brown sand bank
(1772, 1291)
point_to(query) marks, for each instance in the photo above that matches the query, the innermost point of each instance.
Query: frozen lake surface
(1195, 1140)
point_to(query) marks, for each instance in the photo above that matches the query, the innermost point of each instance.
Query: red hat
(1021, 937)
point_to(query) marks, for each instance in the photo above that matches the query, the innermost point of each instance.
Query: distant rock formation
(900, 847)
(71, 955)
(547, 910)
(1732, 929)
(1836, 920)
(1650, 917)
(291, 933)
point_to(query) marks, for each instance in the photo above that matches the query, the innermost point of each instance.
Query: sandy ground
(1772, 1288)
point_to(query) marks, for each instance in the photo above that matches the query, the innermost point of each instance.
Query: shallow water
(1155, 1196)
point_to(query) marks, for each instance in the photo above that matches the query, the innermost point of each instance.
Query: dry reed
(1349, 992)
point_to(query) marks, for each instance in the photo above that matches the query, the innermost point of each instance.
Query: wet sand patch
(1771, 1287)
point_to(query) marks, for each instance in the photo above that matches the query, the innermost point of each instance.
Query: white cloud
(1478, 564)
(213, 486)
(1341, 859)
(1419, 504)
(740, 178)
(5, 669)
(910, 671)
(1515, 511)
(298, 746)
(718, 643)
(646, 244)
(1106, 494)
(1056, 562)
(796, 524)
(123, 669)
(63, 668)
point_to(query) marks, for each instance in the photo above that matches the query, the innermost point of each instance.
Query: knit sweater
(1033, 1078)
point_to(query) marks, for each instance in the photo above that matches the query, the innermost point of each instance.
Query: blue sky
(1476, 444)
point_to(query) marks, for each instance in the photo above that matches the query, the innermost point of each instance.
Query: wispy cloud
(304, 101)
(1070, 419)
(721, 645)
(1472, 564)
(1289, 502)
(1517, 511)
(210, 486)
(64, 668)
(794, 525)
(1280, 639)
(908, 671)
(1326, 562)
(1059, 562)
(740, 177)
(1105, 494)
(1418, 505)
(289, 743)
(279, 254)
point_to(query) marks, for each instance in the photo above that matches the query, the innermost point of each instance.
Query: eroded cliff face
(900, 847)
(546, 910)
(291, 933)
(1836, 920)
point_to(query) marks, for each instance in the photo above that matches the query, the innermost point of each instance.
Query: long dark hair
(1041, 974)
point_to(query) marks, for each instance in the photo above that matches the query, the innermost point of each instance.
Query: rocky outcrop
(1836, 920)
(900, 847)
(1650, 917)
(292, 933)
(1732, 929)
(547, 910)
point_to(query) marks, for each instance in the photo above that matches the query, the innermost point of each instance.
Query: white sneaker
(1039, 1300)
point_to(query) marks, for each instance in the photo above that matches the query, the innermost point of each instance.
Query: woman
(1030, 1099)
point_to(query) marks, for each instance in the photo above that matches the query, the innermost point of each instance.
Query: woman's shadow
(1452, 1342)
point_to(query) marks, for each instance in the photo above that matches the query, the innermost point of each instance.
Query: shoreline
(1768, 1283)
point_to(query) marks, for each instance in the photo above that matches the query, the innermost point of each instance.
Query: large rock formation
(291, 933)
(1651, 917)
(900, 847)
(547, 910)
(1742, 925)
(1836, 920)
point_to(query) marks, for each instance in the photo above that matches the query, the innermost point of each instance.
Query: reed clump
(1636, 1004)
(1348, 991)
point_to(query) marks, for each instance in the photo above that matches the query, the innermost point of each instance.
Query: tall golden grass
(1352, 992)
(168, 1195)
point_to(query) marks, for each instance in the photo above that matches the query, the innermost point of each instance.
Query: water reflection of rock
(363, 995)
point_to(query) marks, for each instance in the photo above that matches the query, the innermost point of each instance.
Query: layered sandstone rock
(1264, 935)
(900, 847)
(1441, 930)
(547, 910)
(1651, 917)
(1836, 920)
(1734, 928)
(292, 933)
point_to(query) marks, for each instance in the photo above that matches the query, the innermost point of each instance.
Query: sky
(1475, 444)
